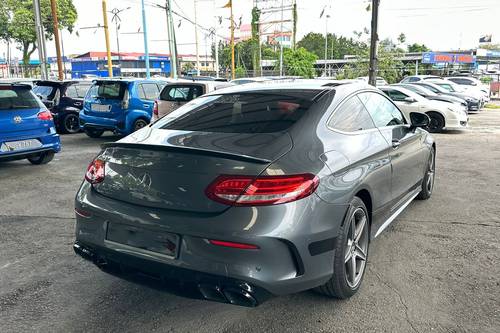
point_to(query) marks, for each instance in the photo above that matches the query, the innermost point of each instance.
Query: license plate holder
(164, 243)
(100, 107)
(21, 145)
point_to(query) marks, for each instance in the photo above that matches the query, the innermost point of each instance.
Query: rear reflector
(262, 190)
(242, 246)
(95, 171)
(44, 115)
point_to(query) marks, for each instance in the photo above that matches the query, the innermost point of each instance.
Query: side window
(140, 91)
(396, 95)
(431, 88)
(71, 92)
(382, 111)
(197, 91)
(351, 116)
(414, 79)
(150, 91)
(81, 89)
(176, 94)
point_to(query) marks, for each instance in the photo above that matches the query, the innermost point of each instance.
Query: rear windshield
(108, 90)
(262, 112)
(12, 98)
(43, 91)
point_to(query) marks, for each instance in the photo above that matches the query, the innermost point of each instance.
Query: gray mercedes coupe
(256, 190)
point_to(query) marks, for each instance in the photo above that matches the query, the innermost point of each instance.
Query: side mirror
(419, 119)
(410, 100)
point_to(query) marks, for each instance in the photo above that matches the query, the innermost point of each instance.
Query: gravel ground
(437, 268)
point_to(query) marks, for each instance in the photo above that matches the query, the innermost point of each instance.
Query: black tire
(436, 123)
(429, 176)
(42, 158)
(139, 123)
(70, 123)
(93, 133)
(338, 286)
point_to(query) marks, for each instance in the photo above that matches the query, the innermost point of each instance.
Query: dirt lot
(437, 268)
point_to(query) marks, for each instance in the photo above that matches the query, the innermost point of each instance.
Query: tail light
(155, 108)
(95, 171)
(44, 115)
(263, 190)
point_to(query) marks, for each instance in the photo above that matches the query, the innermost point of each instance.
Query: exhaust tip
(240, 297)
(212, 293)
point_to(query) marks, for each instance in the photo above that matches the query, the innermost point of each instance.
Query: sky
(440, 24)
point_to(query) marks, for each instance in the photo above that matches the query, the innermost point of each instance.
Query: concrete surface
(436, 268)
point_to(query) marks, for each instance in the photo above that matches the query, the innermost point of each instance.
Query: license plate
(159, 242)
(101, 107)
(21, 145)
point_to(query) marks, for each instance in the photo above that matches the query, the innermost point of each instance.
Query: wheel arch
(439, 113)
(366, 197)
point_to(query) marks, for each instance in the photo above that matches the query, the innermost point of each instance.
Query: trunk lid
(171, 169)
(107, 99)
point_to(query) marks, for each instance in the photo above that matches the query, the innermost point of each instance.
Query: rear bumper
(102, 123)
(50, 142)
(295, 252)
(173, 279)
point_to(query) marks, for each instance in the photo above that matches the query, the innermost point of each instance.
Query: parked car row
(124, 106)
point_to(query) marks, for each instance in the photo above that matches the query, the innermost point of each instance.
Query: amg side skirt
(397, 212)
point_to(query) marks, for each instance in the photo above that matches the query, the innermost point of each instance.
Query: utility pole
(216, 43)
(40, 36)
(116, 19)
(53, 8)
(196, 39)
(146, 51)
(326, 41)
(62, 50)
(173, 47)
(281, 41)
(372, 75)
(106, 36)
(230, 5)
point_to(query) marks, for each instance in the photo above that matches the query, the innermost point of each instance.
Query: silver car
(255, 191)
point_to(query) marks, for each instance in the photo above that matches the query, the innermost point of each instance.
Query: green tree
(299, 62)
(415, 47)
(338, 47)
(17, 22)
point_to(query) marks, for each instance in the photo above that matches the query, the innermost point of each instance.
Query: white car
(442, 115)
(471, 83)
(380, 81)
(455, 88)
(418, 78)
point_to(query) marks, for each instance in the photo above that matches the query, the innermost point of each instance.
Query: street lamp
(116, 19)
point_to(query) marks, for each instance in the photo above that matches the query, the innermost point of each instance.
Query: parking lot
(436, 269)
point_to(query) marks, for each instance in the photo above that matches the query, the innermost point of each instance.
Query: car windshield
(108, 90)
(259, 112)
(14, 98)
(43, 91)
(420, 90)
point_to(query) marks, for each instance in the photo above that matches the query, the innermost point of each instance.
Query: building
(188, 62)
(124, 64)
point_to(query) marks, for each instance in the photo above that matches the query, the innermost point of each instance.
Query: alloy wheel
(430, 174)
(356, 247)
(71, 123)
(139, 124)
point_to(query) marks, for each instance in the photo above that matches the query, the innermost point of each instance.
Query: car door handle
(146, 105)
(396, 144)
(78, 103)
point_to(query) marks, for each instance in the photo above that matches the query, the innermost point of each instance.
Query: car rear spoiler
(186, 150)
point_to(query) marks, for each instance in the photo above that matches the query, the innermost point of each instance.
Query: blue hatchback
(119, 105)
(26, 126)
